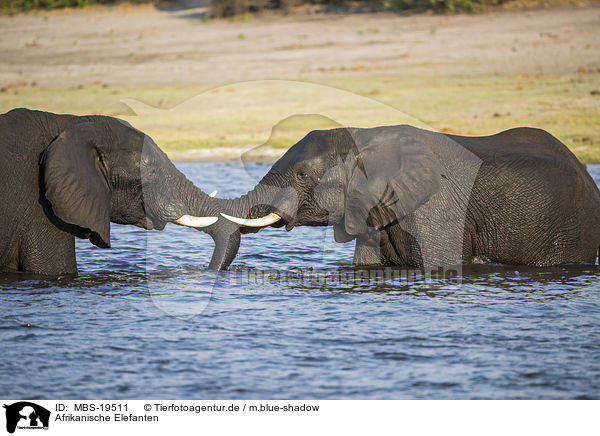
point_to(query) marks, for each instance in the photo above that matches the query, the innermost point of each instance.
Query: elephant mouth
(159, 225)
(285, 219)
(289, 224)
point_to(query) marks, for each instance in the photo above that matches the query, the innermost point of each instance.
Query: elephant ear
(76, 182)
(392, 174)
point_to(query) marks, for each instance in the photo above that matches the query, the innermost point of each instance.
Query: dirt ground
(144, 46)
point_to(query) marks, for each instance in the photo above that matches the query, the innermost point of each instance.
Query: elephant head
(354, 179)
(101, 169)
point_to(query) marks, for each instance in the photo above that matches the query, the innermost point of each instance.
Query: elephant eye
(302, 176)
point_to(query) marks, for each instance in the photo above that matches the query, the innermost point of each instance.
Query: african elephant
(66, 176)
(413, 197)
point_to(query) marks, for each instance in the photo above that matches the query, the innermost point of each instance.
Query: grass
(277, 114)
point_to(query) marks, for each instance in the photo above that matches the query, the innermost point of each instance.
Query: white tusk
(212, 194)
(196, 221)
(257, 222)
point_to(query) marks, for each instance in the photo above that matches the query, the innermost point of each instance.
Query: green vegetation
(448, 5)
(464, 5)
(182, 118)
(235, 8)
(227, 8)
(240, 9)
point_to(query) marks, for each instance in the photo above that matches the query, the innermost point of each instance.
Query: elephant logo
(26, 415)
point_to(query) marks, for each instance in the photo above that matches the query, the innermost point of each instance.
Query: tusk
(212, 194)
(257, 222)
(196, 221)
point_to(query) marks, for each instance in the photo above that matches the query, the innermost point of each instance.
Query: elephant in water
(64, 176)
(412, 197)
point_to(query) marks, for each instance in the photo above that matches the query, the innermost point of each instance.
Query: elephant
(66, 176)
(29, 414)
(418, 198)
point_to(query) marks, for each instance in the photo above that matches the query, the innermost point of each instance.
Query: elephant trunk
(254, 209)
(225, 233)
(168, 196)
(267, 204)
(226, 236)
(195, 206)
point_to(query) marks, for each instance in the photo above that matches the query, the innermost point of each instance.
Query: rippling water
(145, 319)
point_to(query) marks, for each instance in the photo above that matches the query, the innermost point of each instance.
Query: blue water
(146, 320)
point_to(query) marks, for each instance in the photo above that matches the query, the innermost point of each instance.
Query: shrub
(464, 5)
(228, 8)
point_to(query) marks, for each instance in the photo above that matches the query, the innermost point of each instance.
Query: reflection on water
(292, 319)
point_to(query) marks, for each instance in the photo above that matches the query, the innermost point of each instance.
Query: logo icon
(26, 415)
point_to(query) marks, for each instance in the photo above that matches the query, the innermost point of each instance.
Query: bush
(227, 8)
(464, 5)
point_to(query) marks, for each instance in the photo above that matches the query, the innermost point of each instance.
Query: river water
(146, 320)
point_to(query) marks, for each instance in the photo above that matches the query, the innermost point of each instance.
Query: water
(146, 320)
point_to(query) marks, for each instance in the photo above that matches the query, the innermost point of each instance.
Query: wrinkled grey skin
(417, 198)
(64, 176)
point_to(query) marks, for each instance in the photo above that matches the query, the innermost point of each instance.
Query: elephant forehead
(117, 134)
(151, 153)
(301, 155)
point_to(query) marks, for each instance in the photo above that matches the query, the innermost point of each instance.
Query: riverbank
(466, 74)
